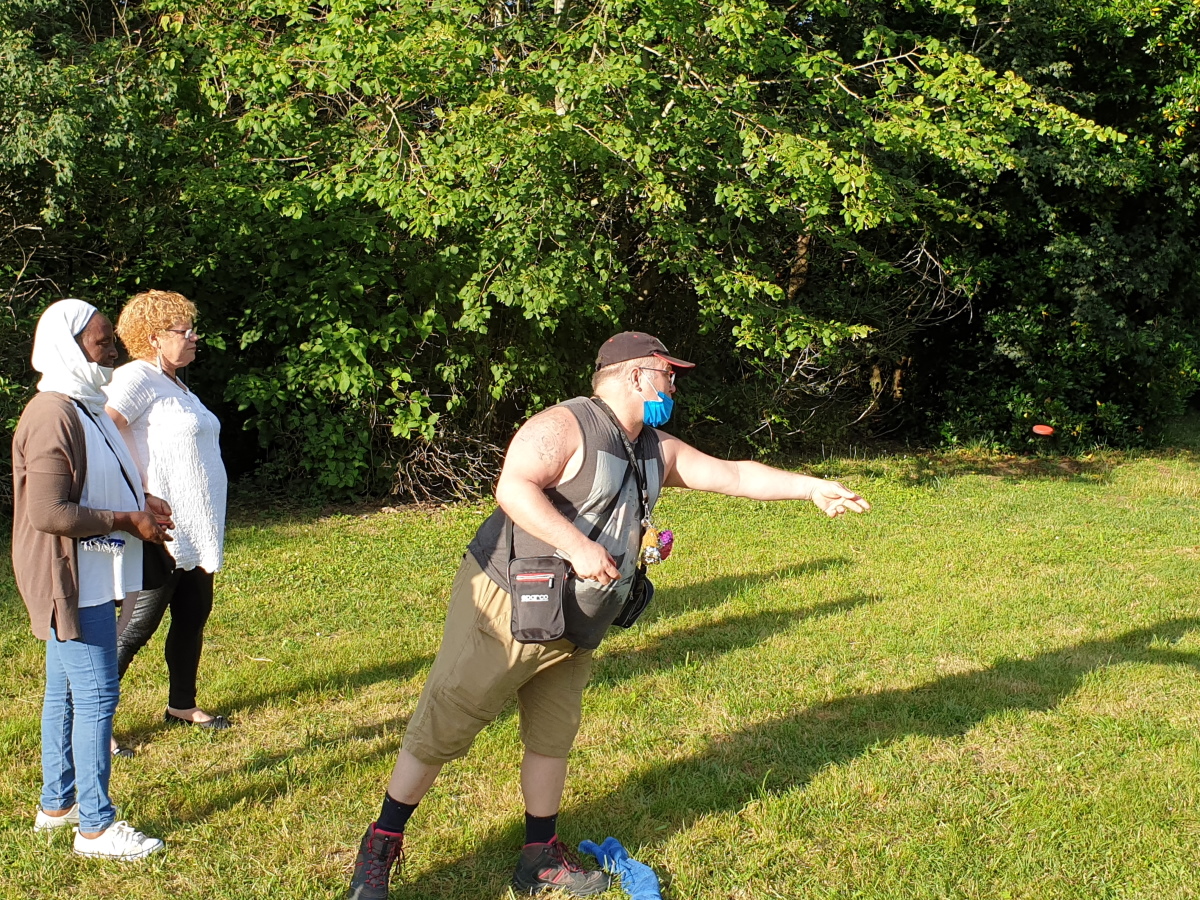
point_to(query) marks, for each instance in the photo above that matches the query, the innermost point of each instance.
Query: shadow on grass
(268, 775)
(785, 754)
(251, 505)
(711, 639)
(289, 690)
(715, 591)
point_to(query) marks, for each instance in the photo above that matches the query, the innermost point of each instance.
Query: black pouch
(639, 598)
(157, 566)
(536, 585)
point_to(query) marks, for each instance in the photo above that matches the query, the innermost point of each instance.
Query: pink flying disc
(1043, 430)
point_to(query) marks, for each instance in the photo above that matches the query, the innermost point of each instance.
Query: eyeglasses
(668, 372)
(188, 333)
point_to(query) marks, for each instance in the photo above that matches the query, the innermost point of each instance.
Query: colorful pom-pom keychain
(656, 545)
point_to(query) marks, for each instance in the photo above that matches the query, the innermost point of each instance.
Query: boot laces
(563, 854)
(382, 851)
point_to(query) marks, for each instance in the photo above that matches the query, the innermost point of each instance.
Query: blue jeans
(82, 689)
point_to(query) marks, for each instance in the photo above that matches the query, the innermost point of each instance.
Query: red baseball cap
(635, 345)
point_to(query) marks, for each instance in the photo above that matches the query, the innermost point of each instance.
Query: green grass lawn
(986, 688)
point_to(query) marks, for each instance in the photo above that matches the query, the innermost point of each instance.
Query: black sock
(540, 829)
(395, 815)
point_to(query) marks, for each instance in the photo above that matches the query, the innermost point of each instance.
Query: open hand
(833, 499)
(160, 509)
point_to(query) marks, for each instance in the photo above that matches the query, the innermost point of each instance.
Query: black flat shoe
(120, 752)
(216, 723)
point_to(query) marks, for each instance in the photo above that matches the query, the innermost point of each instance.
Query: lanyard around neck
(638, 474)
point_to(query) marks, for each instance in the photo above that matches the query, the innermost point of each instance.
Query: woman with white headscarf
(79, 519)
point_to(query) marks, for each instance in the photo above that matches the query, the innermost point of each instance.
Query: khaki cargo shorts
(479, 668)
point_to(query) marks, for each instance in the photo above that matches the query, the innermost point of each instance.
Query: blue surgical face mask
(656, 413)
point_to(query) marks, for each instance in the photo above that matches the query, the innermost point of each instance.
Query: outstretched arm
(687, 467)
(538, 458)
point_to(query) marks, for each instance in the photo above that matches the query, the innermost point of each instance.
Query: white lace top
(177, 442)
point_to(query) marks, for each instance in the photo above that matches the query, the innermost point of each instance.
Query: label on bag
(546, 578)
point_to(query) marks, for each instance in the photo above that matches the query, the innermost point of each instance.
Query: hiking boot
(553, 867)
(377, 851)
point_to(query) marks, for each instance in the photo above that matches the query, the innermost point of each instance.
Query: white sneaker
(43, 822)
(118, 841)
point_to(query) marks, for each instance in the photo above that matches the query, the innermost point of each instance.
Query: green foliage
(1091, 319)
(83, 134)
(409, 224)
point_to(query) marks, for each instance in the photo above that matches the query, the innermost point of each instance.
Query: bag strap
(638, 473)
(120, 465)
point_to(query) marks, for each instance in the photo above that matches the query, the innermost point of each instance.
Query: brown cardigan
(49, 467)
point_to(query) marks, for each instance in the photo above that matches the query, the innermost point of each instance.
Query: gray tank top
(602, 502)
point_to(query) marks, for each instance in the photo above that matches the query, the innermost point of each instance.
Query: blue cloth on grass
(637, 879)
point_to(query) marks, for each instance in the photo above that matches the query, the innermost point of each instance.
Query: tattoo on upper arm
(549, 441)
(548, 436)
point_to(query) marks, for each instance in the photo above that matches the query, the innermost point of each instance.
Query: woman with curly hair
(175, 441)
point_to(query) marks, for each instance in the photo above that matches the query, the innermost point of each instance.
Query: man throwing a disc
(579, 482)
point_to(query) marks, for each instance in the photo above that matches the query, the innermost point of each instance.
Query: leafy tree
(453, 205)
(1089, 320)
(80, 139)
(408, 224)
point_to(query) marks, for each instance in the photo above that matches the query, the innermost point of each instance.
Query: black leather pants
(189, 595)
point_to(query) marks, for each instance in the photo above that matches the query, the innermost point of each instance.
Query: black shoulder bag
(642, 591)
(536, 585)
